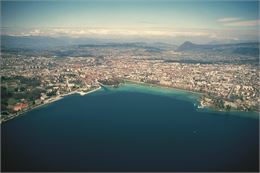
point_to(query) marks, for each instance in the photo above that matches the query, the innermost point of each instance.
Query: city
(37, 80)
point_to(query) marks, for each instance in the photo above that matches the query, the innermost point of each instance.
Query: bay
(130, 128)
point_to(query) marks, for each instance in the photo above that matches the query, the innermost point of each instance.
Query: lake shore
(46, 102)
(130, 82)
(199, 94)
(161, 86)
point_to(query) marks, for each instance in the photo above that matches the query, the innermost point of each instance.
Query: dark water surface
(132, 128)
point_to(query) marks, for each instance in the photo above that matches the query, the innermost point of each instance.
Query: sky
(202, 21)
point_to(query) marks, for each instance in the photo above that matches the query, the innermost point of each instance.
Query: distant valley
(187, 52)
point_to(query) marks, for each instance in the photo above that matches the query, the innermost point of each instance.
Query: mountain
(42, 42)
(32, 42)
(47, 43)
(187, 45)
(250, 49)
(163, 46)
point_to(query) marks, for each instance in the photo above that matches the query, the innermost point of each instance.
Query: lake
(130, 128)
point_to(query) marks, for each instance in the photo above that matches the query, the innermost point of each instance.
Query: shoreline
(195, 100)
(162, 86)
(46, 102)
(199, 107)
(131, 82)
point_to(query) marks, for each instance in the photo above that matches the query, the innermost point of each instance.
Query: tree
(228, 107)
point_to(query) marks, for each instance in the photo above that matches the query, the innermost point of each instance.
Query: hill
(249, 49)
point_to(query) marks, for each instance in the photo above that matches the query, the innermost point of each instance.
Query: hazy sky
(218, 20)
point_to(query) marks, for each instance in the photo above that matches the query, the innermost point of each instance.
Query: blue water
(132, 128)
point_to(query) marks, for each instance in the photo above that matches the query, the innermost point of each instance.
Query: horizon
(100, 41)
(164, 21)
